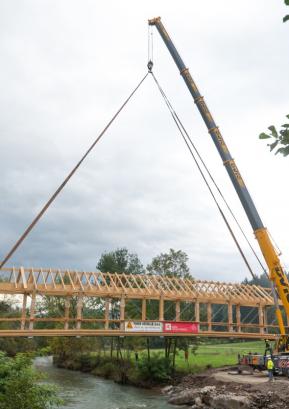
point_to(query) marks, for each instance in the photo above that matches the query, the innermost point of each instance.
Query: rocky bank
(206, 392)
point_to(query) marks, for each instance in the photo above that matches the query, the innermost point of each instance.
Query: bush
(106, 370)
(19, 385)
(156, 369)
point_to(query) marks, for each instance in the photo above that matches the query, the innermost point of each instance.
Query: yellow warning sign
(143, 326)
(129, 325)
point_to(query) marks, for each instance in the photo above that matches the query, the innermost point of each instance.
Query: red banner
(189, 327)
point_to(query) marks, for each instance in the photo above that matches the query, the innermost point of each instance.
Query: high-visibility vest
(270, 364)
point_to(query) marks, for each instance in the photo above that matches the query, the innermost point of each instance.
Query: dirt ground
(262, 393)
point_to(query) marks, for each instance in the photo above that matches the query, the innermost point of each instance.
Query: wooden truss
(120, 288)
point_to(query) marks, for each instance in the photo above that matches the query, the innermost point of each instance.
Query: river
(84, 391)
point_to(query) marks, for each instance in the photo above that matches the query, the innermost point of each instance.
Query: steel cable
(183, 134)
(68, 177)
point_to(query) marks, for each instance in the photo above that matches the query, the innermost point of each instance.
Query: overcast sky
(66, 67)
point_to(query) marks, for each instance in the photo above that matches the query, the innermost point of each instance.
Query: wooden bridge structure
(174, 301)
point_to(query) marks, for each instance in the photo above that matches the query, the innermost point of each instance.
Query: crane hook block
(150, 65)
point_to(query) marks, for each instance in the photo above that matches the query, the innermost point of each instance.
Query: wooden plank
(22, 273)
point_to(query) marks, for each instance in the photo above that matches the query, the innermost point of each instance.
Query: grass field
(216, 355)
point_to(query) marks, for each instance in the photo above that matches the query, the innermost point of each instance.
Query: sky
(67, 66)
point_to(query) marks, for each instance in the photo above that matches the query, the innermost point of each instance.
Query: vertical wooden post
(230, 317)
(261, 319)
(178, 310)
(197, 311)
(79, 311)
(143, 309)
(122, 312)
(66, 312)
(238, 317)
(161, 308)
(106, 313)
(265, 318)
(23, 314)
(209, 316)
(32, 311)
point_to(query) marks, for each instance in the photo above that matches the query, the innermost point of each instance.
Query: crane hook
(150, 65)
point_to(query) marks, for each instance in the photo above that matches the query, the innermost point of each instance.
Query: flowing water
(84, 391)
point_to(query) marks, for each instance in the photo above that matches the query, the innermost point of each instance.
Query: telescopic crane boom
(276, 272)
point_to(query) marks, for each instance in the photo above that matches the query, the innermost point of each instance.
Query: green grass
(216, 355)
(207, 355)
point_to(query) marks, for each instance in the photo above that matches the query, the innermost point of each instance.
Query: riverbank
(215, 389)
(155, 369)
(221, 388)
(84, 391)
(144, 373)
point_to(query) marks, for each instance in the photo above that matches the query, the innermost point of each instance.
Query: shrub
(156, 369)
(19, 385)
(106, 370)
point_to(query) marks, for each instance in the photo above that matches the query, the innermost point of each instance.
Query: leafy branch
(287, 16)
(280, 139)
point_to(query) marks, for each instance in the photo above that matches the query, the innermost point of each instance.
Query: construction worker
(270, 368)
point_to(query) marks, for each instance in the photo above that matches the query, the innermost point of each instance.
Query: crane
(277, 276)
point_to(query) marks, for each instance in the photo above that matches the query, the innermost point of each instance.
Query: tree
(171, 264)
(287, 16)
(120, 261)
(280, 139)
(20, 387)
(261, 280)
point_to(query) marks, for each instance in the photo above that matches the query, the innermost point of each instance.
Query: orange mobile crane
(278, 278)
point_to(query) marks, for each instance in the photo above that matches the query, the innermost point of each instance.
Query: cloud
(67, 68)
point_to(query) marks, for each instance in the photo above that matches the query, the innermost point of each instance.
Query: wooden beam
(238, 317)
(66, 312)
(209, 316)
(161, 308)
(265, 317)
(113, 333)
(261, 319)
(144, 309)
(197, 311)
(122, 312)
(23, 313)
(79, 307)
(32, 311)
(106, 313)
(178, 310)
(230, 317)
(22, 273)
